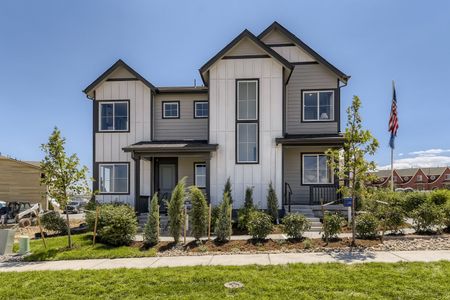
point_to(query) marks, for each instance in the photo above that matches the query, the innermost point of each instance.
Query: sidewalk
(230, 260)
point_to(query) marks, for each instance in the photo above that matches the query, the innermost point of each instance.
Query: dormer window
(114, 116)
(318, 106)
(419, 178)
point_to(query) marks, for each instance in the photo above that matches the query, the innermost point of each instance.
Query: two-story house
(268, 110)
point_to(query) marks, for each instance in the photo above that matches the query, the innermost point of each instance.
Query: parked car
(2, 204)
(75, 207)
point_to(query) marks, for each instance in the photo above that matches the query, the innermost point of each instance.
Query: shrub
(223, 226)
(413, 201)
(366, 226)
(248, 202)
(295, 225)
(447, 216)
(199, 213)
(175, 210)
(215, 211)
(392, 214)
(440, 197)
(52, 221)
(259, 225)
(331, 225)
(428, 217)
(244, 212)
(117, 224)
(227, 189)
(272, 203)
(151, 229)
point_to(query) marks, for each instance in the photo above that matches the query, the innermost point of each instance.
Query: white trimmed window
(200, 109)
(419, 178)
(247, 121)
(200, 175)
(171, 110)
(315, 169)
(113, 178)
(114, 116)
(318, 105)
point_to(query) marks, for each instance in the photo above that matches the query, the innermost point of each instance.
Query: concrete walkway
(230, 260)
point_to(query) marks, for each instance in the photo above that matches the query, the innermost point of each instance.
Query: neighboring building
(20, 182)
(269, 110)
(415, 178)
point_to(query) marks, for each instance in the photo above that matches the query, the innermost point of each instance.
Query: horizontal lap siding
(184, 128)
(293, 171)
(109, 146)
(304, 77)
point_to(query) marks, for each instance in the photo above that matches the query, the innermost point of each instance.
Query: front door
(167, 179)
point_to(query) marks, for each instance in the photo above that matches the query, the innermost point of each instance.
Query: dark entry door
(167, 179)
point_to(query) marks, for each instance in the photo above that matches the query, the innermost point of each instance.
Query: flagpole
(392, 151)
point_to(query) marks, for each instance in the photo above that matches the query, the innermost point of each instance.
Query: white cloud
(400, 154)
(430, 152)
(420, 161)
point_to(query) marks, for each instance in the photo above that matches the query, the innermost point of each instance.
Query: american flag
(393, 120)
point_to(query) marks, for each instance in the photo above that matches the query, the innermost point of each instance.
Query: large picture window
(114, 116)
(247, 121)
(200, 175)
(114, 178)
(315, 169)
(318, 106)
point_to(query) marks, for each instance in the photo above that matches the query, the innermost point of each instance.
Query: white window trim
(318, 106)
(114, 119)
(195, 109)
(164, 110)
(257, 144)
(256, 103)
(195, 174)
(112, 179)
(318, 171)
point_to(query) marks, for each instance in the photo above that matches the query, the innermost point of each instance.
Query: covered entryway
(166, 176)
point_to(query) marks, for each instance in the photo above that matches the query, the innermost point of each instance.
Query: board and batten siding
(222, 129)
(294, 54)
(184, 128)
(304, 77)
(108, 145)
(293, 171)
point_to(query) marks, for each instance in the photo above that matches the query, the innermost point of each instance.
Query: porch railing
(327, 193)
(287, 195)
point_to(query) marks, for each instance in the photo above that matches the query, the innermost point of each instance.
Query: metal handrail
(287, 196)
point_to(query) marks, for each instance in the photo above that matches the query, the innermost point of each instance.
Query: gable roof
(275, 25)
(244, 34)
(115, 66)
(32, 164)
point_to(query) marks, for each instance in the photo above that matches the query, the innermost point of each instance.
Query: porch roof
(170, 147)
(335, 139)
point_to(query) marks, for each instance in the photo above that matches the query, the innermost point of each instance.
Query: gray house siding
(184, 128)
(293, 171)
(307, 77)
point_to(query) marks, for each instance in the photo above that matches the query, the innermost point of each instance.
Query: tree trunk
(353, 219)
(68, 229)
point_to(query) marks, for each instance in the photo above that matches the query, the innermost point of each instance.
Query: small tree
(272, 203)
(62, 174)
(151, 229)
(199, 213)
(175, 210)
(354, 169)
(227, 189)
(248, 202)
(223, 226)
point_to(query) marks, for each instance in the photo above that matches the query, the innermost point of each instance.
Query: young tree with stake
(354, 169)
(62, 174)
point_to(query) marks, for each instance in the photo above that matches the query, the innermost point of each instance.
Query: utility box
(24, 245)
(6, 241)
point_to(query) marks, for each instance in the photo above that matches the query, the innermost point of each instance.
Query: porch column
(208, 189)
(137, 179)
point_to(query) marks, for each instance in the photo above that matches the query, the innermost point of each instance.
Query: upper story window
(318, 105)
(419, 178)
(114, 116)
(447, 177)
(114, 178)
(200, 109)
(315, 169)
(247, 121)
(200, 175)
(171, 110)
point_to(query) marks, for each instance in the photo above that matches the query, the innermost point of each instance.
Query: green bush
(244, 212)
(366, 226)
(413, 201)
(447, 216)
(117, 224)
(227, 189)
(295, 225)
(440, 197)
(223, 225)
(272, 203)
(332, 223)
(391, 215)
(175, 210)
(52, 221)
(151, 229)
(428, 217)
(248, 202)
(215, 211)
(199, 213)
(259, 225)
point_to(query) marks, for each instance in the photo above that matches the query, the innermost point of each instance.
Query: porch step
(308, 212)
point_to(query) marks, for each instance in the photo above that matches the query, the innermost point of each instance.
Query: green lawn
(317, 281)
(83, 249)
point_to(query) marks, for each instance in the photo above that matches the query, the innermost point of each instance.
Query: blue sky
(51, 50)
